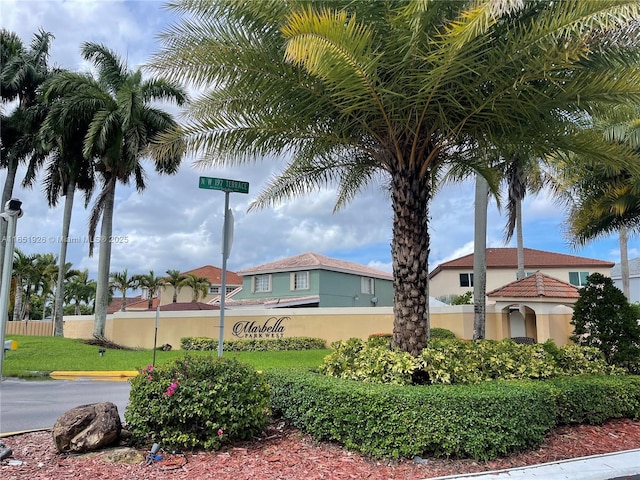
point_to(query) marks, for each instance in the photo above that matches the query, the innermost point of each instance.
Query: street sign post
(227, 186)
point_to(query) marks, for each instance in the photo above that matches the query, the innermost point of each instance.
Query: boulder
(87, 427)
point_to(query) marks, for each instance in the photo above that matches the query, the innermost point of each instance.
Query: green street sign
(223, 184)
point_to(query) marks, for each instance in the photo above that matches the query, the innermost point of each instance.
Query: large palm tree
(355, 92)
(67, 169)
(176, 280)
(123, 123)
(22, 72)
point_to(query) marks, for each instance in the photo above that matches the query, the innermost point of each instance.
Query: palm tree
(176, 280)
(81, 289)
(396, 92)
(199, 286)
(123, 125)
(22, 267)
(67, 169)
(602, 201)
(122, 281)
(46, 271)
(152, 284)
(22, 72)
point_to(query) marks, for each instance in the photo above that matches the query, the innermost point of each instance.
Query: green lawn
(37, 356)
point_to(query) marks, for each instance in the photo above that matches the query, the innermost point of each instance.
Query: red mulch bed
(285, 453)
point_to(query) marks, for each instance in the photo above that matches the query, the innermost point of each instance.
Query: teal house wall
(331, 283)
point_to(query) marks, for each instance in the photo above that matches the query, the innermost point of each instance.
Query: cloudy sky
(175, 225)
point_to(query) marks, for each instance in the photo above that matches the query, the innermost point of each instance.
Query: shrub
(380, 340)
(604, 319)
(197, 402)
(253, 345)
(452, 361)
(442, 333)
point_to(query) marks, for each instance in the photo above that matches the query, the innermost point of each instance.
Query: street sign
(223, 184)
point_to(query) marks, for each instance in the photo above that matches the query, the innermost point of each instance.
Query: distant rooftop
(533, 260)
(634, 269)
(214, 275)
(315, 261)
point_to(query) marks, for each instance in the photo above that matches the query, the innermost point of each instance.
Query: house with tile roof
(313, 280)
(211, 273)
(634, 278)
(455, 277)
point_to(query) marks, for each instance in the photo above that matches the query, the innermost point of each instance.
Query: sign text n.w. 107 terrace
(223, 184)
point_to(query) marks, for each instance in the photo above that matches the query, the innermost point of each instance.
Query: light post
(12, 211)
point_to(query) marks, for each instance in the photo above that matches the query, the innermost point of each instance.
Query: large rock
(87, 427)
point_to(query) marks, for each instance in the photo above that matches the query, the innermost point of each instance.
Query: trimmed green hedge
(251, 345)
(482, 421)
(594, 399)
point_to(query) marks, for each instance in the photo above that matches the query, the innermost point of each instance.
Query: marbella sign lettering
(270, 328)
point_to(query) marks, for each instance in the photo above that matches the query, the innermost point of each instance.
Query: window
(300, 281)
(261, 283)
(466, 279)
(229, 289)
(579, 279)
(214, 289)
(367, 285)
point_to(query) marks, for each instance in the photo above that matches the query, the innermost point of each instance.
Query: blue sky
(175, 225)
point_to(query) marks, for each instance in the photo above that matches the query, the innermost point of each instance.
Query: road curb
(107, 375)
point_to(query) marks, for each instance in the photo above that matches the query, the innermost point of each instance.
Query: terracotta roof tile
(116, 303)
(536, 285)
(533, 260)
(315, 261)
(142, 304)
(186, 306)
(214, 275)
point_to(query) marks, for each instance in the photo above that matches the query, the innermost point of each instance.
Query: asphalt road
(32, 405)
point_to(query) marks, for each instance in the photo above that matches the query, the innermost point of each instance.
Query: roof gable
(214, 275)
(536, 285)
(315, 261)
(533, 260)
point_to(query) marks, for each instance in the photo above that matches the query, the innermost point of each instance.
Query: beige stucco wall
(447, 282)
(136, 329)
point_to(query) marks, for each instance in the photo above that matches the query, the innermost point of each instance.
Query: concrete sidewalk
(610, 466)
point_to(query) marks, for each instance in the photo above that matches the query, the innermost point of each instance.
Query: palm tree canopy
(199, 286)
(116, 108)
(359, 91)
(602, 202)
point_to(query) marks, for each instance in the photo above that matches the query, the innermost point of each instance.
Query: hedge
(481, 421)
(251, 345)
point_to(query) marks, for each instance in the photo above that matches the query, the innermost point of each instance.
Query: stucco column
(543, 328)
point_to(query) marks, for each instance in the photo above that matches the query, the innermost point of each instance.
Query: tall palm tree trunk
(7, 192)
(58, 325)
(480, 258)
(410, 253)
(519, 240)
(104, 261)
(624, 261)
(17, 304)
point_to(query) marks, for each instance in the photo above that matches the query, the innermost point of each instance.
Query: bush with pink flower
(197, 402)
